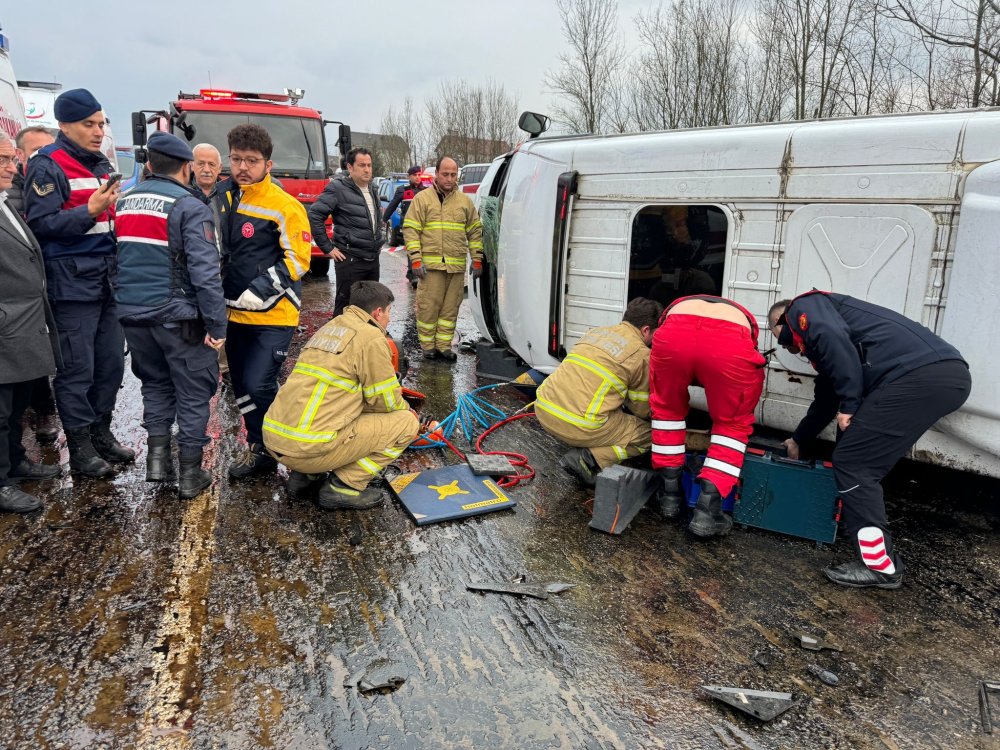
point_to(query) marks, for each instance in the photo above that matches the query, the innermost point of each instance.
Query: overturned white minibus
(901, 210)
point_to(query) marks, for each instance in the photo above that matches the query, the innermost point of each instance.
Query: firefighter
(584, 402)
(266, 246)
(340, 417)
(441, 226)
(69, 204)
(887, 380)
(170, 302)
(712, 342)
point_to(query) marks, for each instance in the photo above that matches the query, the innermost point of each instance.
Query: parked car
(130, 169)
(470, 177)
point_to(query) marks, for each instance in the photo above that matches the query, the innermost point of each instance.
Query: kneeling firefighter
(583, 402)
(341, 417)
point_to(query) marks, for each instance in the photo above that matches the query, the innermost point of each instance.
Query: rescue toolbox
(798, 498)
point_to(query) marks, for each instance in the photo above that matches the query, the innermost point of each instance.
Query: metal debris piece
(823, 675)
(486, 465)
(517, 589)
(558, 588)
(133, 606)
(812, 643)
(388, 684)
(761, 704)
(985, 713)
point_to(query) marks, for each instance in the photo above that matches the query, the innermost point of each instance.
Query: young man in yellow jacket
(584, 402)
(266, 244)
(342, 410)
(441, 226)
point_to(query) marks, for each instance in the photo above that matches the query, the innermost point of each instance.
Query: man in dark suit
(26, 341)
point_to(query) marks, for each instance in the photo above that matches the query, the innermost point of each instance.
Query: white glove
(249, 301)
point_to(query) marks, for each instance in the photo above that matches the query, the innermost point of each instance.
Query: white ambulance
(900, 210)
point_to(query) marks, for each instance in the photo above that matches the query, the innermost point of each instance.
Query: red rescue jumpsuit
(721, 356)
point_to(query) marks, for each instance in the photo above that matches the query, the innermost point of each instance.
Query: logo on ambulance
(247, 230)
(32, 111)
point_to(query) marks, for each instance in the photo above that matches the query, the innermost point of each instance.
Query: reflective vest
(149, 271)
(82, 184)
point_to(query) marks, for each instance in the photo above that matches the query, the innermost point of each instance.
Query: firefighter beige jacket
(439, 232)
(607, 369)
(345, 369)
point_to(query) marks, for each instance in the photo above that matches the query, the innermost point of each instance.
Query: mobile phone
(113, 179)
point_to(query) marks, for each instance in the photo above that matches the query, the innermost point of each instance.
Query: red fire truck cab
(298, 134)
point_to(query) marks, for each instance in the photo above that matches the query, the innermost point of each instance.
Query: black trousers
(255, 355)
(347, 272)
(14, 398)
(891, 419)
(178, 379)
(42, 401)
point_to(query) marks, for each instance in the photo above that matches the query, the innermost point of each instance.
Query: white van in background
(11, 108)
(899, 210)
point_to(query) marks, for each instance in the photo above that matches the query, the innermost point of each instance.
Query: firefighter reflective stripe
(445, 330)
(370, 466)
(392, 452)
(620, 452)
(668, 450)
(723, 466)
(638, 395)
(728, 442)
(314, 401)
(387, 388)
(557, 411)
(299, 436)
(327, 377)
(452, 226)
(601, 372)
(598, 400)
(662, 424)
(425, 332)
(413, 224)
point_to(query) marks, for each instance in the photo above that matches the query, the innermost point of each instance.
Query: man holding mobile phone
(69, 203)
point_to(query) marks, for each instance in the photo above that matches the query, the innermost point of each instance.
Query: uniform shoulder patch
(803, 322)
(43, 190)
(307, 237)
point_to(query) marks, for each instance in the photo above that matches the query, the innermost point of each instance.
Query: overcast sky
(353, 59)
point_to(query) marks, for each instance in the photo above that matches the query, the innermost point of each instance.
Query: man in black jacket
(887, 380)
(357, 230)
(26, 341)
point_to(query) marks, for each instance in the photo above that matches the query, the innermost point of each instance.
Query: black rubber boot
(708, 519)
(301, 485)
(107, 444)
(670, 496)
(253, 461)
(159, 462)
(46, 428)
(580, 463)
(194, 479)
(83, 458)
(335, 495)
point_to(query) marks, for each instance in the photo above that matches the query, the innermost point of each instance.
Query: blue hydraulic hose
(470, 411)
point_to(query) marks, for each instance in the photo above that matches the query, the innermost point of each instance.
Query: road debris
(520, 589)
(823, 675)
(761, 704)
(812, 643)
(985, 713)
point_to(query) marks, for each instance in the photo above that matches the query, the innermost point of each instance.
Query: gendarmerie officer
(69, 205)
(887, 380)
(170, 302)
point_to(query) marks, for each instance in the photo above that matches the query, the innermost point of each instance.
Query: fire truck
(298, 134)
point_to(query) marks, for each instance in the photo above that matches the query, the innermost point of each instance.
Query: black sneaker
(580, 463)
(301, 485)
(335, 495)
(858, 575)
(252, 462)
(15, 500)
(31, 470)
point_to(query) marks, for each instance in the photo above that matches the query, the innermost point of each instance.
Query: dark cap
(170, 145)
(75, 105)
(414, 170)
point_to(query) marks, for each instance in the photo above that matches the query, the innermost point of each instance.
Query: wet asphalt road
(131, 619)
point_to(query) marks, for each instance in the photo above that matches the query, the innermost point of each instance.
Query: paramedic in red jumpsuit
(711, 342)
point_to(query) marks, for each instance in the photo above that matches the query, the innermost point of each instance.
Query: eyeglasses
(6, 161)
(252, 162)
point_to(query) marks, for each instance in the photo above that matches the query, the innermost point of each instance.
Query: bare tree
(471, 123)
(407, 124)
(587, 73)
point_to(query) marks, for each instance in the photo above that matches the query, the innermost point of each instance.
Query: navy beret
(169, 145)
(75, 105)
(414, 170)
